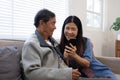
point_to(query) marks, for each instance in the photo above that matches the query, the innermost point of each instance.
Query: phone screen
(72, 41)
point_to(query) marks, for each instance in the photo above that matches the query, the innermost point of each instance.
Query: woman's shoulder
(86, 39)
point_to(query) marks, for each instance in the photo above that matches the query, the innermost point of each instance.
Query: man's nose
(55, 27)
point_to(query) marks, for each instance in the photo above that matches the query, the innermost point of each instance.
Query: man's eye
(53, 23)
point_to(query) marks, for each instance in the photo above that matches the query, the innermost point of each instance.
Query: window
(17, 16)
(95, 13)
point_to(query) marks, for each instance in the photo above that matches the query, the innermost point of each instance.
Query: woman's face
(70, 31)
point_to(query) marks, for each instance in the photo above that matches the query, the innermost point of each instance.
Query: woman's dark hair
(80, 43)
(44, 15)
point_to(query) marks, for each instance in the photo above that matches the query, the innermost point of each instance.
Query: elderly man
(41, 58)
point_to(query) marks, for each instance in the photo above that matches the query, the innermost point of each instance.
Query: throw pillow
(9, 63)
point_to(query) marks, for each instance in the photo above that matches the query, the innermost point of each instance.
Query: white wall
(111, 36)
(104, 41)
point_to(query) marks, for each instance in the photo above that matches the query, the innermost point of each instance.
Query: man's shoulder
(31, 39)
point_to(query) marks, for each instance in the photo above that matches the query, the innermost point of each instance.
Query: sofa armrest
(112, 62)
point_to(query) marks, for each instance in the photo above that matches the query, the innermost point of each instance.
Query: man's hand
(75, 74)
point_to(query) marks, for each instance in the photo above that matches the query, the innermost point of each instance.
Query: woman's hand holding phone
(70, 50)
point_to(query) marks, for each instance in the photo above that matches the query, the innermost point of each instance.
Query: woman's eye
(67, 28)
(74, 29)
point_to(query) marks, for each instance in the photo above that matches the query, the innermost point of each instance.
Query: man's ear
(41, 22)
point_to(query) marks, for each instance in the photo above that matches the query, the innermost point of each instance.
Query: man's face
(49, 27)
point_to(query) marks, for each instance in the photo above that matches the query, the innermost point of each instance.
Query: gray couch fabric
(9, 63)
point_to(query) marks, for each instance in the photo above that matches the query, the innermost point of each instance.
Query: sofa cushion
(112, 62)
(11, 42)
(9, 63)
(118, 76)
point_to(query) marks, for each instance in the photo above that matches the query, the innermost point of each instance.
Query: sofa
(112, 62)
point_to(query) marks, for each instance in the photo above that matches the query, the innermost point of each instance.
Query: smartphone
(72, 41)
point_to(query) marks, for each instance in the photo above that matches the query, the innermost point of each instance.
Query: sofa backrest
(10, 42)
